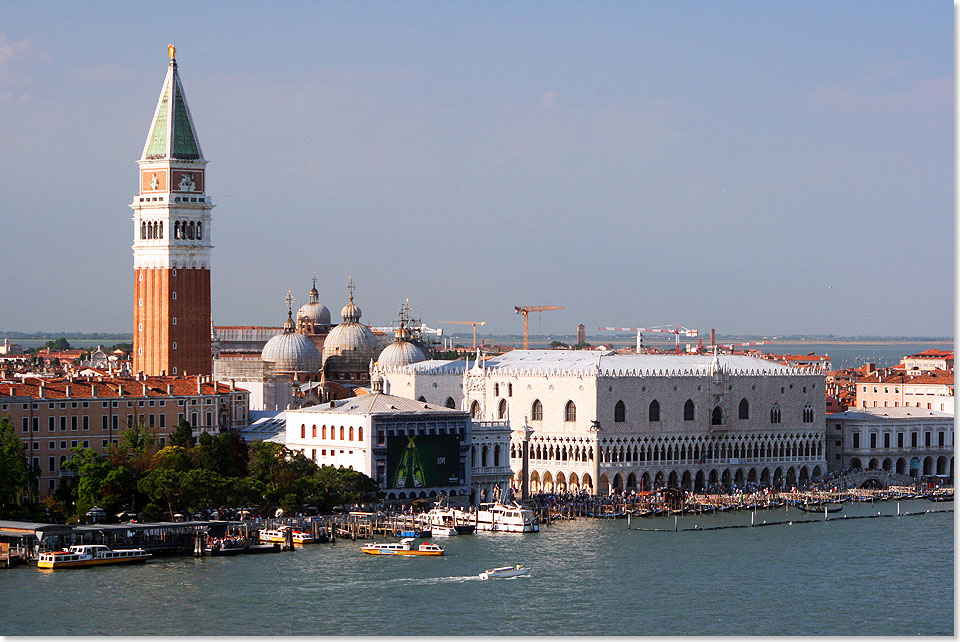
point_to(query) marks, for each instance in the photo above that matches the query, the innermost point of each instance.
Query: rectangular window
(873, 440)
(51, 424)
(163, 421)
(103, 422)
(899, 440)
(926, 439)
(52, 445)
(153, 420)
(105, 442)
(913, 440)
(856, 440)
(886, 440)
(313, 454)
(53, 464)
(74, 423)
(163, 442)
(36, 424)
(26, 424)
(115, 421)
(73, 443)
(86, 422)
(86, 444)
(63, 445)
(940, 439)
(63, 423)
(129, 421)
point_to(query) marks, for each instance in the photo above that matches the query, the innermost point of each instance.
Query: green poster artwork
(423, 461)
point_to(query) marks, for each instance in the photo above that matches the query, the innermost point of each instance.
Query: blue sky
(752, 167)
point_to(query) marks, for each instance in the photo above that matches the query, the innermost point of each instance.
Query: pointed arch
(502, 409)
(689, 410)
(654, 411)
(536, 411)
(620, 412)
(570, 411)
(744, 409)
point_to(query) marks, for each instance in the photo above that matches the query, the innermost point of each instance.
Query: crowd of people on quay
(228, 541)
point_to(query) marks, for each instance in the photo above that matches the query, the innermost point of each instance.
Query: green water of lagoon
(884, 576)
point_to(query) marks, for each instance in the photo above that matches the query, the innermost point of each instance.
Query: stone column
(525, 483)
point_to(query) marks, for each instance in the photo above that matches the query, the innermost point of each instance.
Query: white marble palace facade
(637, 421)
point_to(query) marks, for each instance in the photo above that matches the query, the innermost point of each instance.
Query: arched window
(496, 455)
(536, 411)
(143, 230)
(153, 230)
(654, 413)
(451, 403)
(200, 230)
(716, 418)
(176, 229)
(314, 431)
(160, 233)
(808, 414)
(323, 431)
(341, 433)
(483, 457)
(191, 230)
(303, 431)
(689, 410)
(475, 410)
(502, 409)
(744, 409)
(570, 412)
(496, 390)
(509, 389)
(620, 412)
(775, 414)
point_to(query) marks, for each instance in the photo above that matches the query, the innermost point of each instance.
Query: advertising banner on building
(423, 461)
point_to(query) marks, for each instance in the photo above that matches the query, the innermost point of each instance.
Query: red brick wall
(155, 308)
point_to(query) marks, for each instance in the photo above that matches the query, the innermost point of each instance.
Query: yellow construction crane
(525, 311)
(474, 324)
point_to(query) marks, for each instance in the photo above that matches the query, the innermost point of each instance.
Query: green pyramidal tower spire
(172, 135)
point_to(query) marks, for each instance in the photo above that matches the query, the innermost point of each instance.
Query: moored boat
(506, 519)
(221, 546)
(90, 555)
(279, 535)
(505, 571)
(403, 547)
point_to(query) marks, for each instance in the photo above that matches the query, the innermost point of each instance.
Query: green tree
(17, 480)
(164, 485)
(182, 435)
(58, 344)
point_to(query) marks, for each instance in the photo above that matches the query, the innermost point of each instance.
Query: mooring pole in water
(752, 517)
(825, 517)
(628, 521)
(675, 523)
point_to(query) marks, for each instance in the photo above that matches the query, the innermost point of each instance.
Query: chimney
(163, 373)
(233, 385)
(43, 390)
(93, 390)
(199, 385)
(144, 389)
(69, 390)
(170, 389)
(119, 389)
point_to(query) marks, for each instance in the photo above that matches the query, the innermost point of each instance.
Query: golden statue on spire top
(171, 51)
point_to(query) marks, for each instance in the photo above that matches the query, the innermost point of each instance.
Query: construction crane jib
(474, 324)
(676, 330)
(525, 310)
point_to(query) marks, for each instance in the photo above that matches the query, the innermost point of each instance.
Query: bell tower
(171, 242)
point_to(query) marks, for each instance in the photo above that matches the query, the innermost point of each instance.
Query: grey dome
(291, 351)
(349, 348)
(313, 311)
(401, 353)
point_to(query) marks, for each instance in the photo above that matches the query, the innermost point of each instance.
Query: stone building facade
(606, 422)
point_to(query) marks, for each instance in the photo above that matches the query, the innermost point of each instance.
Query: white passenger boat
(91, 555)
(505, 571)
(403, 547)
(506, 519)
(446, 517)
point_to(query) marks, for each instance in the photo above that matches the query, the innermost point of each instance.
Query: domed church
(313, 318)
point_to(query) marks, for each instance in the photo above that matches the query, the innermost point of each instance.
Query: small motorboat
(279, 535)
(505, 571)
(443, 531)
(403, 547)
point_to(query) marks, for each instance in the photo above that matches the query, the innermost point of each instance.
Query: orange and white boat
(280, 535)
(91, 555)
(403, 547)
